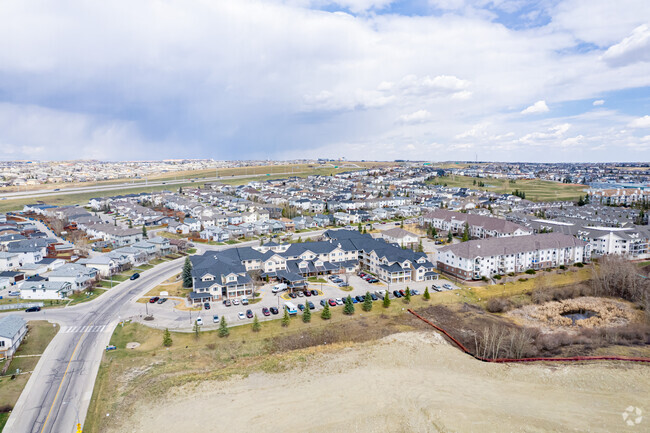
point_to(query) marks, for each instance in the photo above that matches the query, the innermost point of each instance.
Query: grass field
(536, 190)
(78, 298)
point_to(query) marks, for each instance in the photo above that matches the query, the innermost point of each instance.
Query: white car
(199, 321)
(235, 301)
(339, 301)
(241, 316)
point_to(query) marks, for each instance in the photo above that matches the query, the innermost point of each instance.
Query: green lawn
(4, 416)
(536, 190)
(107, 283)
(143, 268)
(316, 280)
(86, 296)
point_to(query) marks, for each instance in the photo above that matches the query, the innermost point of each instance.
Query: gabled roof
(11, 325)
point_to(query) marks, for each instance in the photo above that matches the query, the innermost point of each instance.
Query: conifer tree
(187, 273)
(326, 314)
(386, 300)
(167, 338)
(306, 315)
(256, 324)
(223, 328)
(367, 302)
(349, 306)
(286, 319)
(426, 295)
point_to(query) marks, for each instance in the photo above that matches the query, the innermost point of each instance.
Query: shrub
(562, 267)
(497, 305)
(580, 265)
(530, 271)
(483, 278)
(497, 277)
(511, 274)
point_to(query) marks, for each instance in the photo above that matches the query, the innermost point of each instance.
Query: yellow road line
(62, 380)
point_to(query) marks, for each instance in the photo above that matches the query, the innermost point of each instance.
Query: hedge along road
(58, 393)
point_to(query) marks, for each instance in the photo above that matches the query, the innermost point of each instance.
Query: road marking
(65, 373)
(84, 329)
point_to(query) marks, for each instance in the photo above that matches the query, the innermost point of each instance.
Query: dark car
(249, 314)
(373, 297)
(397, 294)
(373, 280)
(314, 292)
(355, 301)
(311, 305)
(301, 307)
(414, 292)
(360, 298)
(266, 311)
(274, 310)
(32, 309)
(135, 276)
(162, 300)
(154, 300)
(307, 293)
(323, 302)
(292, 295)
(402, 292)
(227, 303)
(206, 306)
(332, 302)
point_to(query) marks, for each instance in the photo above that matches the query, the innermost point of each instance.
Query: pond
(579, 315)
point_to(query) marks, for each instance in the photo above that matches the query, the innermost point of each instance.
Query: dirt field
(407, 382)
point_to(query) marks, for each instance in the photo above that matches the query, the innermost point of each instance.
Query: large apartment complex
(473, 260)
(479, 226)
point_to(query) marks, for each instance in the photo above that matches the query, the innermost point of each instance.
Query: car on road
(323, 302)
(332, 302)
(135, 276)
(199, 321)
(339, 301)
(397, 294)
(206, 306)
(154, 300)
(266, 311)
(162, 300)
(227, 302)
(244, 301)
(241, 315)
(274, 310)
(314, 292)
(215, 318)
(249, 314)
(235, 301)
(311, 305)
(32, 309)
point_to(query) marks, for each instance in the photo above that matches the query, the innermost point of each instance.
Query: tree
(180, 190)
(326, 314)
(465, 233)
(386, 300)
(130, 224)
(450, 237)
(401, 223)
(426, 295)
(407, 295)
(360, 228)
(196, 329)
(286, 319)
(581, 201)
(223, 328)
(256, 324)
(187, 273)
(306, 315)
(367, 302)
(144, 232)
(167, 338)
(349, 306)
(420, 248)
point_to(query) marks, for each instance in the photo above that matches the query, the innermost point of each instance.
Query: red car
(154, 300)
(332, 302)
(307, 293)
(266, 311)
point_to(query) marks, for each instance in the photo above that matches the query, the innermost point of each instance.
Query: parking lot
(166, 315)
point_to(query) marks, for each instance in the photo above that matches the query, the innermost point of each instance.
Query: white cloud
(537, 107)
(598, 102)
(641, 122)
(634, 48)
(420, 116)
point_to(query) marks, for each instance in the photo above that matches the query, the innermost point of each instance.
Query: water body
(579, 315)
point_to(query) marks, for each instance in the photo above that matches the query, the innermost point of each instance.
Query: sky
(488, 80)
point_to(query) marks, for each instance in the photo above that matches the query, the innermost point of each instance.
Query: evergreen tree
(256, 324)
(434, 232)
(326, 314)
(426, 295)
(144, 232)
(223, 328)
(581, 202)
(167, 338)
(130, 224)
(401, 224)
(360, 228)
(286, 319)
(306, 315)
(407, 295)
(465, 233)
(349, 306)
(450, 237)
(386, 300)
(420, 247)
(187, 273)
(180, 190)
(196, 329)
(367, 302)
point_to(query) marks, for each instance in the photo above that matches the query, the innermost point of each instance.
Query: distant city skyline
(436, 80)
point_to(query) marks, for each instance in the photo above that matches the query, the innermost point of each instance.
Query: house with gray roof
(12, 331)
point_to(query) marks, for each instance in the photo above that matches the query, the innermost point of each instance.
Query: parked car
(373, 297)
(32, 309)
(241, 315)
(235, 301)
(292, 295)
(215, 318)
(162, 300)
(206, 306)
(314, 292)
(332, 302)
(301, 307)
(266, 311)
(360, 298)
(154, 300)
(249, 313)
(354, 300)
(343, 284)
(414, 292)
(323, 302)
(199, 321)
(300, 294)
(447, 286)
(227, 303)
(397, 294)
(244, 301)
(274, 310)
(135, 276)
(339, 301)
(308, 293)
(311, 305)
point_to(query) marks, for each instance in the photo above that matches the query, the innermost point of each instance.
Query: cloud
(420, 116)
(641, 122)
(537, 107)
(634, 48)
(598, 102)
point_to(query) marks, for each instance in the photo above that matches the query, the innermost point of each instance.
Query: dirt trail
(410, 382)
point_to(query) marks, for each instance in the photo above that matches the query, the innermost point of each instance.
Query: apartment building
(475, 259)
(480, 226)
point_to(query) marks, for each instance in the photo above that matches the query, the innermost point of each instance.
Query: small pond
(579, 315)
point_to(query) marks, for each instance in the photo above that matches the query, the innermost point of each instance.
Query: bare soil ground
(406, 382)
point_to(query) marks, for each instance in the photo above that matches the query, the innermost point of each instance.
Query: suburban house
(105, 265)
(79, 276)
(12, 331)
(475, 259)
(45, 289)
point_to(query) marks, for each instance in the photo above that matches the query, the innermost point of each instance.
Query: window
(2, 343)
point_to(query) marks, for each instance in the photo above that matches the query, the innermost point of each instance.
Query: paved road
(58, 393)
